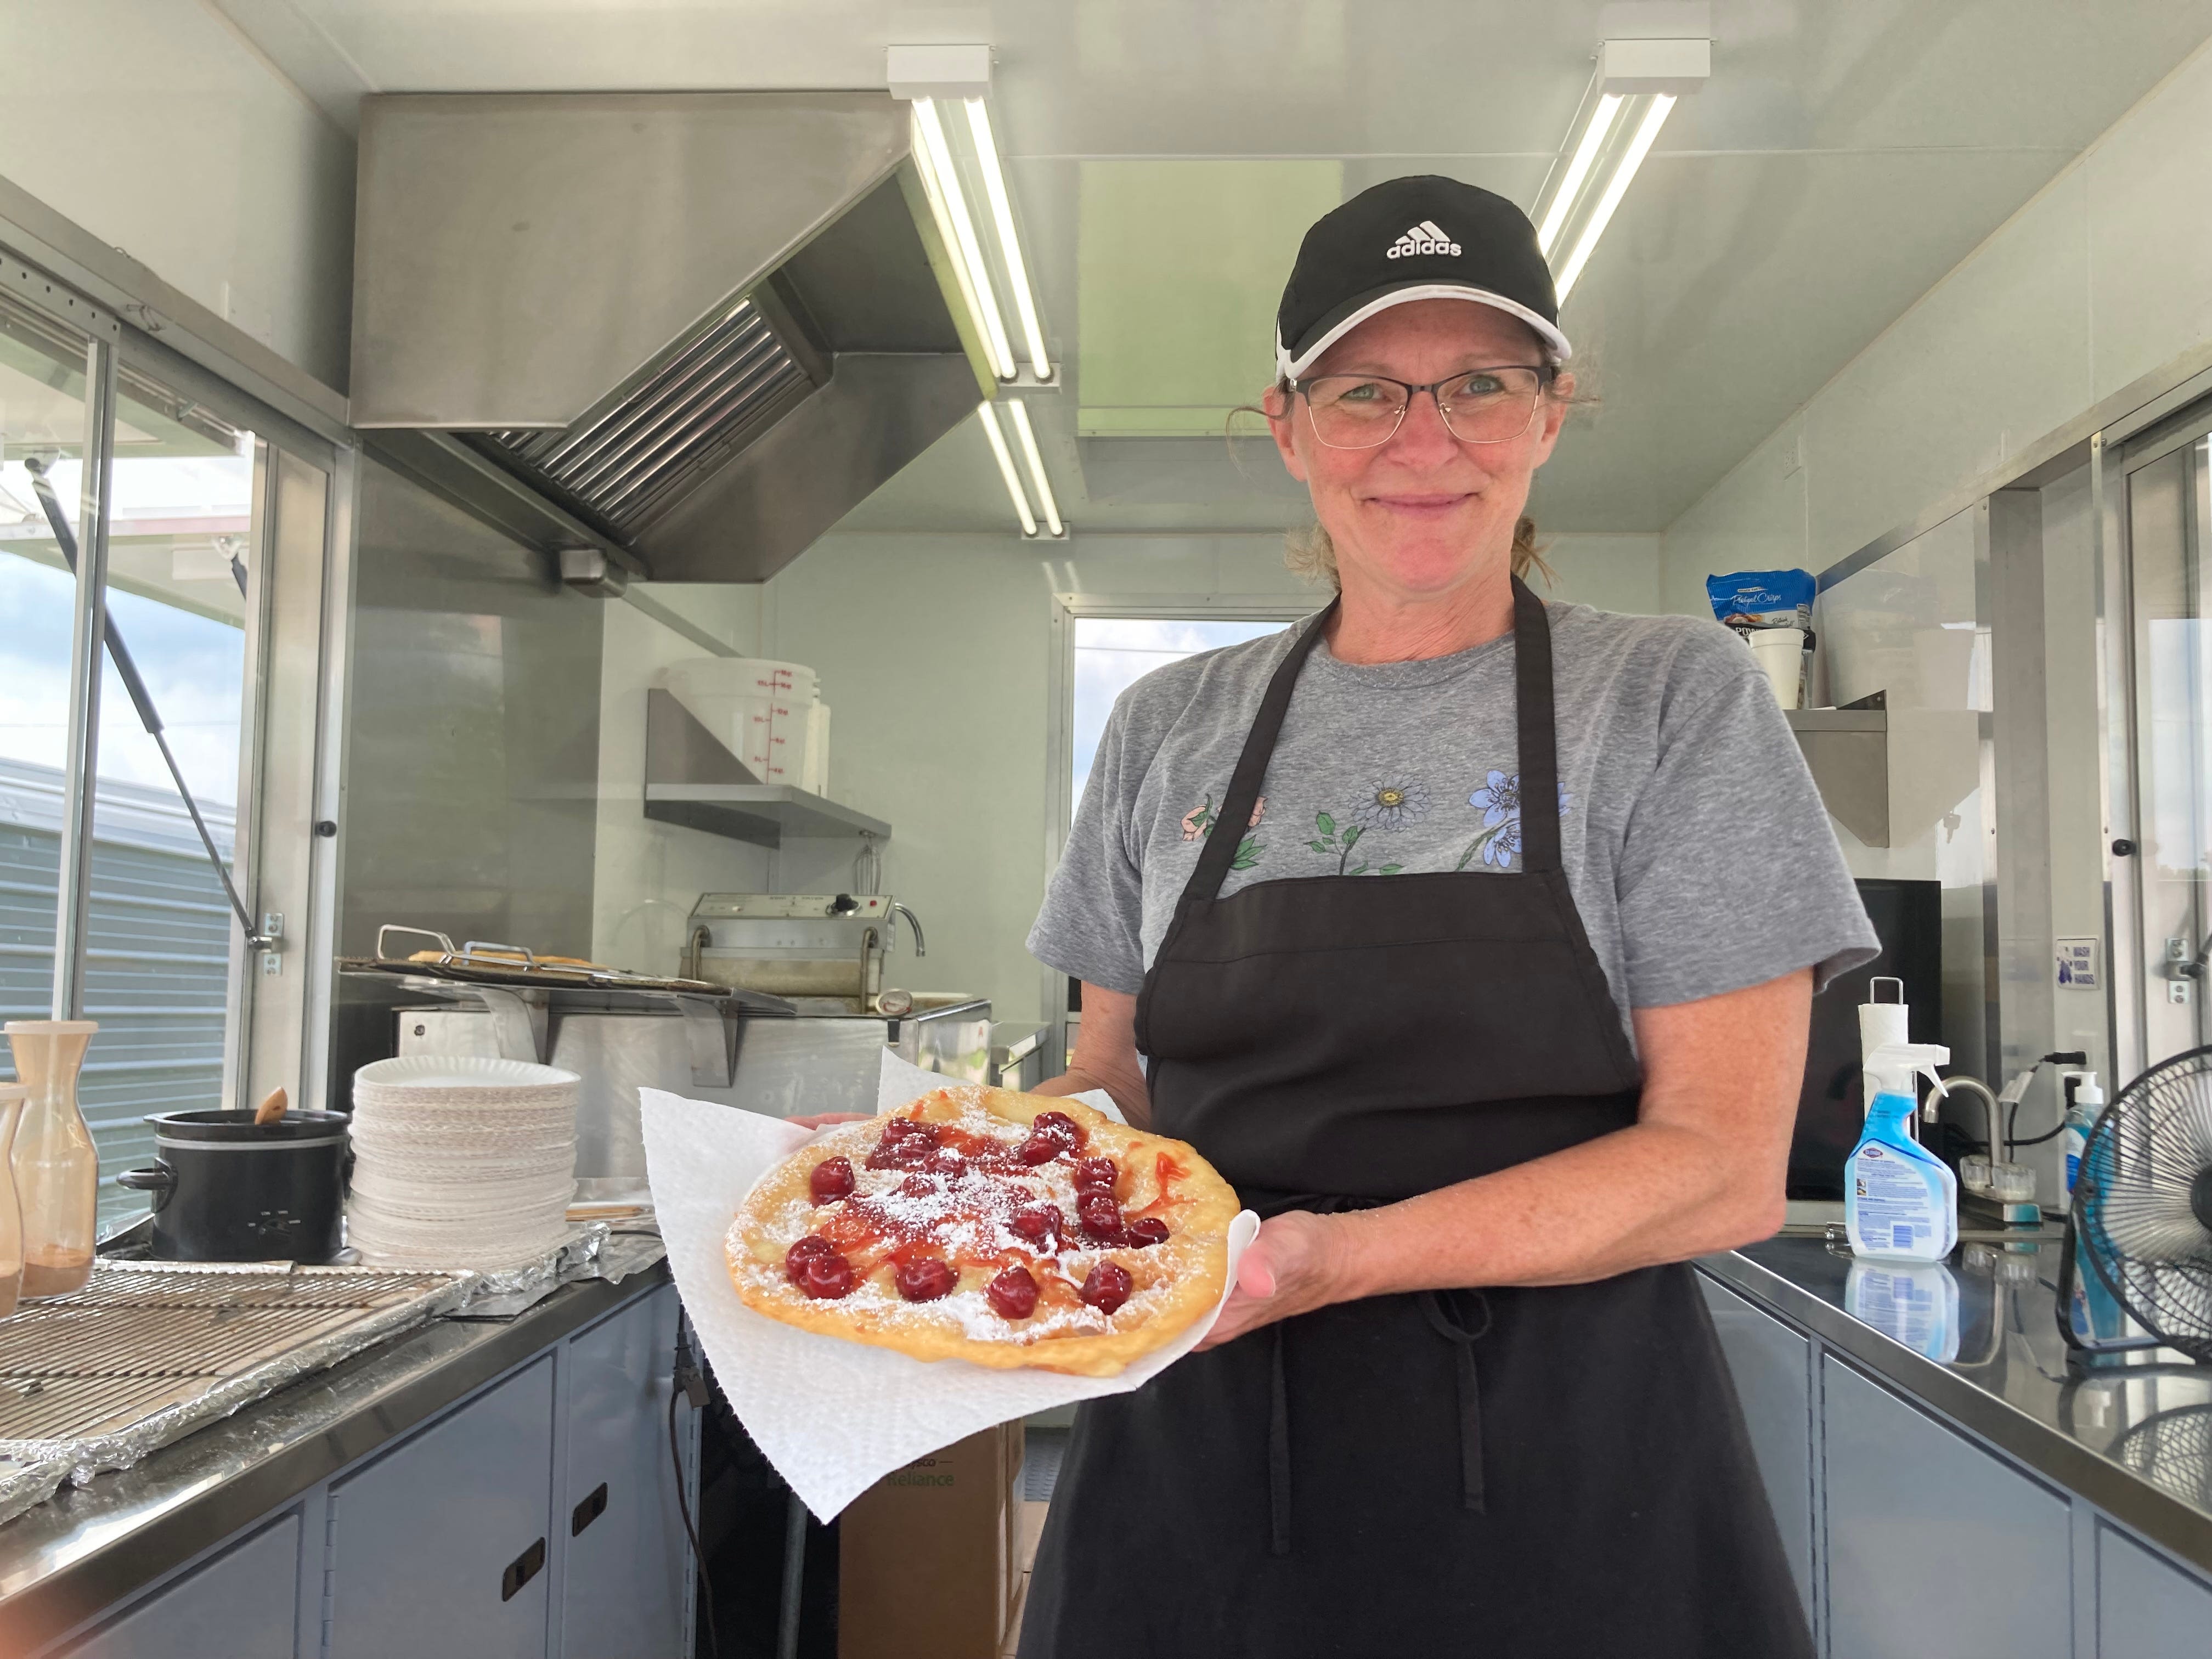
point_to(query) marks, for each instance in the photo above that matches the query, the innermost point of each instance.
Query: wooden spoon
(271, 1109)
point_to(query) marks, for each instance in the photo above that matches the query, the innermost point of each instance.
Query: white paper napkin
(834, 1417)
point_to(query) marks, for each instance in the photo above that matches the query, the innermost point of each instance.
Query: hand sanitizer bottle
(1900, 1201)
(2085, 1104)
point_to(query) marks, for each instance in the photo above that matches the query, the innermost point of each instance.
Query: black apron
(1522, 1472)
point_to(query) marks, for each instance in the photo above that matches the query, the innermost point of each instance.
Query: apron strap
(1448, 1316)
(1236, 812)
(1537, 735)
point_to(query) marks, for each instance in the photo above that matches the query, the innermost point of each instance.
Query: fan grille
(2131, 1201)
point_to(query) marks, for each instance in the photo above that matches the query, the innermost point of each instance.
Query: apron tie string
(1461, 1318)
(1446, 1318)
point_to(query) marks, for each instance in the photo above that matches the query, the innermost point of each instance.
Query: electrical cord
(2063, 1057)
(692, 1385)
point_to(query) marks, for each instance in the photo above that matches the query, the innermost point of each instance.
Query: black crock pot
(227, 1189)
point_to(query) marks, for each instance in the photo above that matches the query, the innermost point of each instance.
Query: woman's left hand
(1294, 1265)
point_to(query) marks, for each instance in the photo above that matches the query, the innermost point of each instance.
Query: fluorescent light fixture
(975, 286)
(1615, 187)
(1636, 88)
(989, 416)
(1571, 182)
(1018, 412)
(1010, 245)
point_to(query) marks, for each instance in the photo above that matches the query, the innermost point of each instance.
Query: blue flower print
(1499, 841)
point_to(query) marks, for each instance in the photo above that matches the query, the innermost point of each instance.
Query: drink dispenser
(56, 1169)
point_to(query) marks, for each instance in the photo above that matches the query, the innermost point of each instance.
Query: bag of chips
(1749, 600)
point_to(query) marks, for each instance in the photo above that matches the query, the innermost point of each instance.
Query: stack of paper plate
(460, 1162)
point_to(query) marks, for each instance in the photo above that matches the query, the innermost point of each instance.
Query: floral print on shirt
(1499, 840)
(1199, 821)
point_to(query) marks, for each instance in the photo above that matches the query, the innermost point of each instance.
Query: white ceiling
(1844, 155)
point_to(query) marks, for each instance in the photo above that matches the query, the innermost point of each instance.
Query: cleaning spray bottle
(1900, 1201)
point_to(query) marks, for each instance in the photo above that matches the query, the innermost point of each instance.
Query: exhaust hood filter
(637, 452)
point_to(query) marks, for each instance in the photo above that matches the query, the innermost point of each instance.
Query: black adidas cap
(1426, 238)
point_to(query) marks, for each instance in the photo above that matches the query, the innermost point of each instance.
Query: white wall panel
(2099, 279)
(154, 125)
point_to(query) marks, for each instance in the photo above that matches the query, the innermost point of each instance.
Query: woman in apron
(1471, 939)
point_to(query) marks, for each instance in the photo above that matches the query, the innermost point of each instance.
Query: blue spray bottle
(1900, 1201)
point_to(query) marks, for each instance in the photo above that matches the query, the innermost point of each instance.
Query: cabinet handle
(520, 1571)
(589, 1511)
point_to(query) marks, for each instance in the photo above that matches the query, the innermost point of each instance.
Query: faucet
(912, 921)
(1997, 1148)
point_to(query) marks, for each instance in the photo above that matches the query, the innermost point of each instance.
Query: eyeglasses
(1479, 406)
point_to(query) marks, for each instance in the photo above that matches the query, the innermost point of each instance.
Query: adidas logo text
(1423, 238)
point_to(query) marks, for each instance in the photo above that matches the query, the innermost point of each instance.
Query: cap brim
(1357, 309)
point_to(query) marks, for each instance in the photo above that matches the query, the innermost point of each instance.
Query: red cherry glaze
(1096, 1174)
(1145, 1230)
(942, 1163)
(1040, 1223)
(918, 1186)
(804, 1250)
(925, 1278)
(1038, 1149)
(1058, 1126)
(1108, 1288)
(1012, 1294)
(825, 1276)
(1100, 1218)
(832, 1179)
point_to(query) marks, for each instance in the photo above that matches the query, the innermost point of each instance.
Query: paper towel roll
(1881, 1023)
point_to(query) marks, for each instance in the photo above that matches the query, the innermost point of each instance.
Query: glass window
(163, 944)
(43, 366)
(1112, 653)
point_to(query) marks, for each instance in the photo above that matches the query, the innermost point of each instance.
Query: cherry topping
(1101, 1217)
(1038, 1149)
(825, 1276)
(803, 1251)
(1145, 1230)
(1096, 1174)
(925, 1278)
(906, 1145)
(1057, 1126)
(1012, 1294)
(945, 1164)
(1038, 1224)
(832, 1180)
(1108, 1288)
(918, 1186)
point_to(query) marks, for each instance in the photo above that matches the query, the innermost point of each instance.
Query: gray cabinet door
(1771, 1366)
(2147, 1608)
(430, 1544)
(622, 1581)
(1934, 1545)
(243, 1604)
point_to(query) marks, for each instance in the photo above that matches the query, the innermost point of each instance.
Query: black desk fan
(2142, 1206)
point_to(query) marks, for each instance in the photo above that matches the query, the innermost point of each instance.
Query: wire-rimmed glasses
(1479, 406)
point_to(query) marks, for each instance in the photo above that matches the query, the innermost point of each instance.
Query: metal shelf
(691, 778)
(761, 813)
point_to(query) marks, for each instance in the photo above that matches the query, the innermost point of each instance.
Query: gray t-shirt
(1696, 847)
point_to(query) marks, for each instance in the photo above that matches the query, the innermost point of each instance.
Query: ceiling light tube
(1002, 216)
(1018, 412)
(1617, 186)
(1571, 182)
(968, 249)
(989, 416)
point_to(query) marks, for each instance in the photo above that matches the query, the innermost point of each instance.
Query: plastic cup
(1781, 652)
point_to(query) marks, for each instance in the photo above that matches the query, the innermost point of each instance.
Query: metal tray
(150, 1351)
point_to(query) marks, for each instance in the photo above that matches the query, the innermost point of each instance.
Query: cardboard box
(928, 1562)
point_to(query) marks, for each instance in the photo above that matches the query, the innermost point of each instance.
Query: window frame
(1068, 609)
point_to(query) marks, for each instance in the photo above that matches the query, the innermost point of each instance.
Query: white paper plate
(470, 1073)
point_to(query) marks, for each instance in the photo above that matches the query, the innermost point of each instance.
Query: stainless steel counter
(89, 1547)
(2135, 1439)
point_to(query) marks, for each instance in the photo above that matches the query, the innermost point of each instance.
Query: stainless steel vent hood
(692, 329)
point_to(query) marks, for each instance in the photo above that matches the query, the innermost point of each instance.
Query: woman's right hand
(824, 1119)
